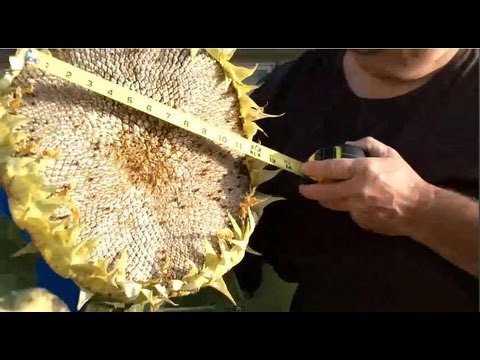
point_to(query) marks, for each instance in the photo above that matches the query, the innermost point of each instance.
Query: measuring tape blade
(166, 113)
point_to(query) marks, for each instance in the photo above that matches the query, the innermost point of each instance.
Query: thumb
(374, 147)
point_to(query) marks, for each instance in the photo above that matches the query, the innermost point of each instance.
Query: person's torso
(434, 128)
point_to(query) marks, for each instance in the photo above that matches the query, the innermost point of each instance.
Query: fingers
(374, 147)
(360, 218)
(332, 169)
(337, 205)
(328, 193)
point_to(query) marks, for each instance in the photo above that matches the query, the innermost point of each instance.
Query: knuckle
(327, 205)
(309, 191)
(316, 168)
(359, 219)
(364, 194)
(324, 204)
(332, 168)
(393, 152)
(371, 167)
(370, 173)
(370, 140)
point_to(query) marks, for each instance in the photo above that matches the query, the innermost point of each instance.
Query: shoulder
(463, 74)
(454, 125)
(285, 83)
(284, 76)
(462, 96)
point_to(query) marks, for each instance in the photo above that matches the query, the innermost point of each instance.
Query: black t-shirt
(338, 265)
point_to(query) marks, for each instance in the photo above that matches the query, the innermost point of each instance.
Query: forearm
(448, 223)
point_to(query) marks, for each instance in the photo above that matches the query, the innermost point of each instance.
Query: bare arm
(448, 223)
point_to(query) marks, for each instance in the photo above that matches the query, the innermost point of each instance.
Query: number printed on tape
(173, 116)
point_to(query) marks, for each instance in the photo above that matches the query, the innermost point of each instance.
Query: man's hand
(385, 195)
(381, 192)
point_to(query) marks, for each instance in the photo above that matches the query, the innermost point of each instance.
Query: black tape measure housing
(338, 152)
(335, 152)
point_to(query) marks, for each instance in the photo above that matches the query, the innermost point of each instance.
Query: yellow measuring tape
(166, 113)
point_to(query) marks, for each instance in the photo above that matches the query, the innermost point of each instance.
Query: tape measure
(338, 152)
(166, 113)
(188, 122)
(334, 152)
